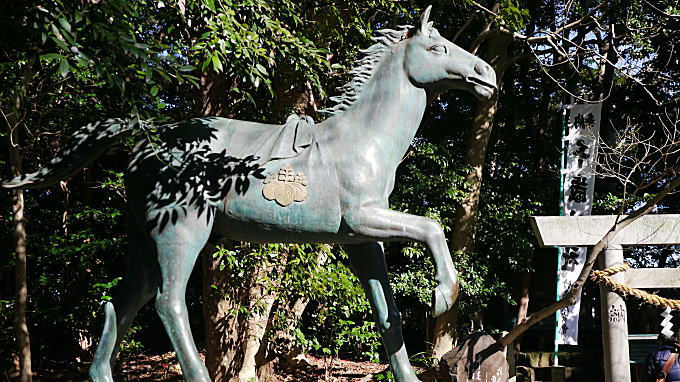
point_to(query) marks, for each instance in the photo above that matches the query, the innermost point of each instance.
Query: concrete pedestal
(614, 322)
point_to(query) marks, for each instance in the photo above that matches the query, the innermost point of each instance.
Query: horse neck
(387, 114)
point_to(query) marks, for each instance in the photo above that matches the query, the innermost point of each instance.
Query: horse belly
(273, 215)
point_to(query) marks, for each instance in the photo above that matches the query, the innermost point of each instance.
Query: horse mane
(364, 69)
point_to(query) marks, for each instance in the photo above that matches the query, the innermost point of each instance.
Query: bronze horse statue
(298, 182)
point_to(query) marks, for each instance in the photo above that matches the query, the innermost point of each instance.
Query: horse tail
(84, 146)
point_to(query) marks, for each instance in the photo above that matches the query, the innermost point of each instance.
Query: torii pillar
(568, 231)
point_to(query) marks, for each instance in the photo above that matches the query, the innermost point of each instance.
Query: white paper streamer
(666, 324)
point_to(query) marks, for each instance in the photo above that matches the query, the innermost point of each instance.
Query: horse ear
(424, 24)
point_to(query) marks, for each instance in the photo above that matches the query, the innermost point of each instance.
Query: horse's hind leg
(178, 245)
(368, 263)
(137, 287)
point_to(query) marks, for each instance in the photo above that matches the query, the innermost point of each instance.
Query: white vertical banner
(578, 175)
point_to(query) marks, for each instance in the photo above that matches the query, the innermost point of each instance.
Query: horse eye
(438, 48)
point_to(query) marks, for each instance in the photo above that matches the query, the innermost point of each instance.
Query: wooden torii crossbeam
(568, 231)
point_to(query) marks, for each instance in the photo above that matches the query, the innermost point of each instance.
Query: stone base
(478, 359)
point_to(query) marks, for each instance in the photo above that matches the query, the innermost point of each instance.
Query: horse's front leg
(368, 263)
(383, 224)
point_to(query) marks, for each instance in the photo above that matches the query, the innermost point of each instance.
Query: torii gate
(662, 229)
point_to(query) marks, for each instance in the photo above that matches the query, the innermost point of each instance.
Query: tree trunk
(21, 282)
(213, 96)
(20, 276)
(463, 232)
(523, 304)
(227, 342)
(261, 300)
(262, 347)
(294, 357)
(221, 296)
(284, 341)
(213, 315)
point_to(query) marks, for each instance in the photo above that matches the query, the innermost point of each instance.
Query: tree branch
(658, 10)
(563, 28)
(464, 26)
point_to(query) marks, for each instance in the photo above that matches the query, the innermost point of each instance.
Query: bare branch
(585, 20)
(657, 10)
(483, 8)
(641, 161)
(464, 26)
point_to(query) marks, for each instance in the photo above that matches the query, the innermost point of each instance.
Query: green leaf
(49, 56)
(154, 90)
(261, 69)
(65, 24)
(205, 64)
(60, 43)
(64, 67)
(217, 64)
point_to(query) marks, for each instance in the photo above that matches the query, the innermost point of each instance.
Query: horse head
(435, 63)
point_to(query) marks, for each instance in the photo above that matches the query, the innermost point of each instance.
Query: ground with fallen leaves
(164, 367)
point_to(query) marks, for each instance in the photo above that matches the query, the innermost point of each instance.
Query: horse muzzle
(483, 89)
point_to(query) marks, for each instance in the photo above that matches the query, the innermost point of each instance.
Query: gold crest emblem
(285, 187)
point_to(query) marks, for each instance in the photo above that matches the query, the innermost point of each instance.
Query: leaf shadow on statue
(190, 171)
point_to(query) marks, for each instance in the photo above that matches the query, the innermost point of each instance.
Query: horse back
(290, 200)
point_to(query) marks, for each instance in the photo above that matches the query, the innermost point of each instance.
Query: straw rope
(604, 277)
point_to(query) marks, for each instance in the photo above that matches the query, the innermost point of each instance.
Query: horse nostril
(482, 68)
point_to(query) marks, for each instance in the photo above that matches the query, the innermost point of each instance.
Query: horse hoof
(444, 299)
(100, 374)
(414, 379)
(405, 374)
